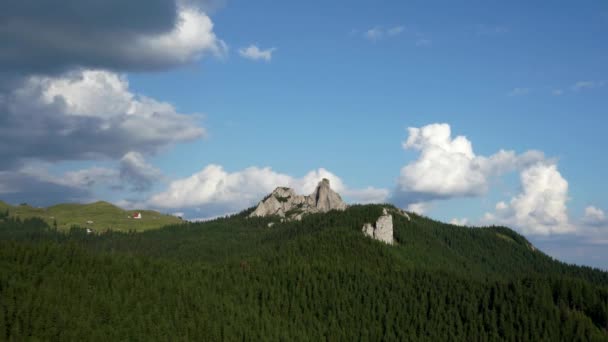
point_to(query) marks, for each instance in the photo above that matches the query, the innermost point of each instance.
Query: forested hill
(235, 278)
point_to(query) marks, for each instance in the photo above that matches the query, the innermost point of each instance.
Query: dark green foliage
(318, 279)
(281, 199)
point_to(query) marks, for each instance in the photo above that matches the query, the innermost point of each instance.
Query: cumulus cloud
(541, 207)
(594, 217)
(135, 171)
(61, 97)
(217, 192)
(133, 35)
(448, 167)
(255, 53)
(236, 190)
(88, 114)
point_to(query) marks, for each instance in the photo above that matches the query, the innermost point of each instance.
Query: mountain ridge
(319, 278)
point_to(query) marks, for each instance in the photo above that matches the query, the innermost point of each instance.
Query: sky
(480, 113)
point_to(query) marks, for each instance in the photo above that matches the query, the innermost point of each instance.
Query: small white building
(137, 216)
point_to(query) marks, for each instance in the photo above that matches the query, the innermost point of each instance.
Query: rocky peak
(283, 192)
(325, 199)
(284, 202)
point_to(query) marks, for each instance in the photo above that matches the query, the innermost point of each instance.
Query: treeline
(319, 279)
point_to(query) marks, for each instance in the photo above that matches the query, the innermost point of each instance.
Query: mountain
(98, 216)
(285, 203)
(318, 278)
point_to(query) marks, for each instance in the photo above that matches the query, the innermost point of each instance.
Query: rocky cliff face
(284, 202)
(382, 230)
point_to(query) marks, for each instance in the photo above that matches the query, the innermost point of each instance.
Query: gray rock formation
(382, 230)
(284, 202)
(325, 199)
(368, 230)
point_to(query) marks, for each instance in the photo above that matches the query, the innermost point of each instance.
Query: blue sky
(204, 110)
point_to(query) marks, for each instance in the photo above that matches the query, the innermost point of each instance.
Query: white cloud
(213, 185)
(255, 53)
(218, 192)
(447, 167)
(557, 92)
(418, 208)
(540, 208)
(168, 36)
(519, 91)
(459, 221)
(87, 114)
(594, 216)
(192, 37)
(88, 92)
(135, 171)
(378, 33)
(309, 182)
(501, 206)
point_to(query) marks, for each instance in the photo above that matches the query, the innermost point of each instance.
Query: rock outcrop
(382, 230)
(284, 202)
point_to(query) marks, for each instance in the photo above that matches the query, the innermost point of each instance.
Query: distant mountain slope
(98, 216)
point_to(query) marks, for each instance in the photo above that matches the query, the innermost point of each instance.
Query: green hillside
(236, 279)
(103, 215)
